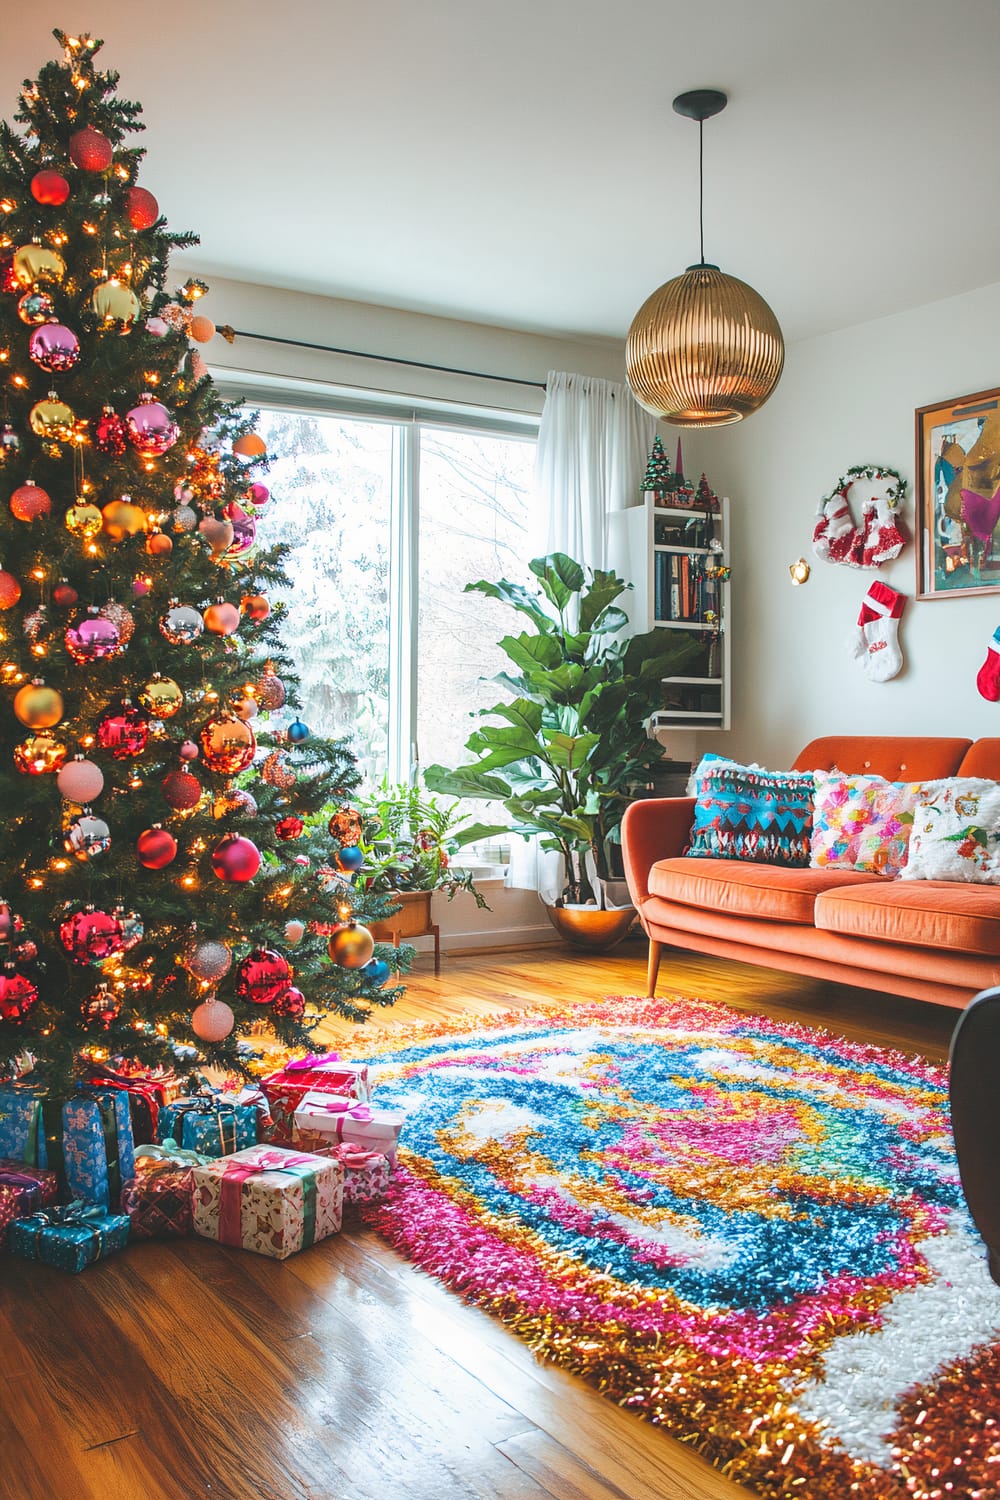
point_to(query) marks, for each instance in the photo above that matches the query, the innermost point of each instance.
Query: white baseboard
(489, 937)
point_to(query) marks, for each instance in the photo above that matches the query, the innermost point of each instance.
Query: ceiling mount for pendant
(705, 349)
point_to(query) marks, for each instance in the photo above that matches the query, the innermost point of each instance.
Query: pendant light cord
(701, 188)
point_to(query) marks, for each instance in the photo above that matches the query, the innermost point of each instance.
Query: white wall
(847, 398)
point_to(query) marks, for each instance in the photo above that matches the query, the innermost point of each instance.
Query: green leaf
(611, 620)
(529, 652)
(559, 576)
(466, 781)
(568, 751)
(518, 597)
(604, 589)
(522, 712)
(477, 831)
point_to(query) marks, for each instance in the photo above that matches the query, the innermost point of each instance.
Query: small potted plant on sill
(571, 744)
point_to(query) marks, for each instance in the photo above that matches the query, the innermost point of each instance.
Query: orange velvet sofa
(932, 939)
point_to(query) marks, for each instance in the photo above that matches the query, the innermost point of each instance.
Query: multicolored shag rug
(751, 1232)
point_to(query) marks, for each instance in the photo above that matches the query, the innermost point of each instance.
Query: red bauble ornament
(64, 595)
(49, 187)
(292, 1003)
(90, 936)
(289, 828)
(235, 859)
(123, 729)
(10, 923)
(258, 494)
(101, 1008)
(155, 848)
(222, 618)
(263, 977)
(10, 590)
(17, 995)
(90, 150)
(29, 501)
(255, 606)
(181, 790)
(227, 745)
(141, 208)
(110, 433)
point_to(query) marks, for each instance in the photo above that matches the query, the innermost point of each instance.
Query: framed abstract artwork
(958, 496)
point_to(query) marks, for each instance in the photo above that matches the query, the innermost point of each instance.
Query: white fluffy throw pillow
(956, 832)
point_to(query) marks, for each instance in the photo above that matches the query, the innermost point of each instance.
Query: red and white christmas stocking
(876, 639)
(881, 538)
(835, 537)
(988, 679)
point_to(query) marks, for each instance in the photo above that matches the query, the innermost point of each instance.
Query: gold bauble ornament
(38, 706)
(52, 419)
(120, 519)
(39, 755)
(351, 946)
(36, 263)
(115, 305)
(161, 697)
(83, 519)
(227, 745)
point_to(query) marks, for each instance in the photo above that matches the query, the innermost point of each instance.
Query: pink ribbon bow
(344, 1107)
(314, 1060)
(355, 1156)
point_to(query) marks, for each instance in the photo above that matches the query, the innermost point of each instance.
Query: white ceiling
(517, 162)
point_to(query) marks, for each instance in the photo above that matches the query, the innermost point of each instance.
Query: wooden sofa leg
(653, 967)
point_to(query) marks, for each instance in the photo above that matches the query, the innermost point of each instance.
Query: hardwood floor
(181, 1369)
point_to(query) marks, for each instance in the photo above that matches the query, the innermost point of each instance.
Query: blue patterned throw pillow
(744, 813)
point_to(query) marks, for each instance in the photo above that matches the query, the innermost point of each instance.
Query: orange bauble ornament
(10, 590)
(121, 519)
(351, 946)
(249, 446)
(29, 501)
(38, 706)
(158, 544)
(201, 329)
(255, 606)
(222, 618)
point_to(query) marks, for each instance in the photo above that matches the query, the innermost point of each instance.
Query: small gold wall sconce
(799, 571)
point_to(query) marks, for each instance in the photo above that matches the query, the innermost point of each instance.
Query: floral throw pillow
(862, 822)
(956, 832)
(743, 813)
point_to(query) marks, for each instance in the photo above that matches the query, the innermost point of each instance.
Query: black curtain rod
(388, 359)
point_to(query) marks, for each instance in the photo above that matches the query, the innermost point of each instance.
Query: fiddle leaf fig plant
(565, 754)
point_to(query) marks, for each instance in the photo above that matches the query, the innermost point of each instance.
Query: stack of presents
(128, 1157)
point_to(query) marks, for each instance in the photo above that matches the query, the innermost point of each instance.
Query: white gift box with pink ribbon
(327, 1118)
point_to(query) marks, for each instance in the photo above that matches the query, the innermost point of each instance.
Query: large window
(387, 522)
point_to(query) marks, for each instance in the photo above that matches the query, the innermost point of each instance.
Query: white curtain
(593, 442)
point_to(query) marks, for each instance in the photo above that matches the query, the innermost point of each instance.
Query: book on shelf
(681, 591)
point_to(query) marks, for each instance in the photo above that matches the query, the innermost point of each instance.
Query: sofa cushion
(746, 814)
(774, 892)
(956, 832)
(940, 914)
(862, 822)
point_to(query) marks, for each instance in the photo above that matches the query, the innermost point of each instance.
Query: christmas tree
(163, 841)
(657, 477)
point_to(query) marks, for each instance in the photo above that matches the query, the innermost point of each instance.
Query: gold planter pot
(587, 927)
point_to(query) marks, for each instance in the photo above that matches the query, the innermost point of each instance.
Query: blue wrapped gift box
(209, 1124)
(70, 1237)
(85, 1140)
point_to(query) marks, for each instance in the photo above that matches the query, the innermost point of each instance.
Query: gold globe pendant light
(705, 349)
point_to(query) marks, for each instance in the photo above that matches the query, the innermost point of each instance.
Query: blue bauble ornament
(349, 859)
(376, 970)
(297, 731)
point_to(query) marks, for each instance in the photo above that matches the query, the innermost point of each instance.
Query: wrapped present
(366, 1173)
(322, 1119)
(147, 1094)
(268, 1200)
(86, 1140)
(23, 1189)
(286, 1089)
(158, 1197)
(69, 1237)
(213, 1124)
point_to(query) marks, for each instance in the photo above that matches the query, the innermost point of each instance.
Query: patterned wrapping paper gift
(366, 1173)
(158, 1198)
(86, 1140)
(70, 1237)
(147, 1093)
(23, 1189)
(269, 1200)
(212, 1124)
(322, 1119)
(287, 1088)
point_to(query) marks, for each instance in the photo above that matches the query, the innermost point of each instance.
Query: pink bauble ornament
(140, 587)
(157, 327)
(189, 750)
(303, 860)
(292, 1004)
(295, 931)
(91, 638)
(90, 150)
(155, 848)
(141, 208)
(80, 781)
(234, 801)
(90, 936)
(259, 494)
(123, 729)
(270, 690)
(262, 977)
(29, 501)
(218, 533)
(235, 859)
(10, 923)
(213, 1020)
(222, 618)
(244, 529)
(351, 946)
(54, 348)
(17, 995)
(208, 960)
(181, 790)
(152, 431)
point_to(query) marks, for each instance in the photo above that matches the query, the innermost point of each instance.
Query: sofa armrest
(654, 828)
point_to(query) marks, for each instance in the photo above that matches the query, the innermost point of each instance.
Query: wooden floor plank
(180, 1369)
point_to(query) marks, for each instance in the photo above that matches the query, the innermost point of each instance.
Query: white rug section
(498, 1119)
(923, 1329)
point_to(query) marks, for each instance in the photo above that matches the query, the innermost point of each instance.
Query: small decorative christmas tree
(657, 477)
(162, 844)
(705, 497)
